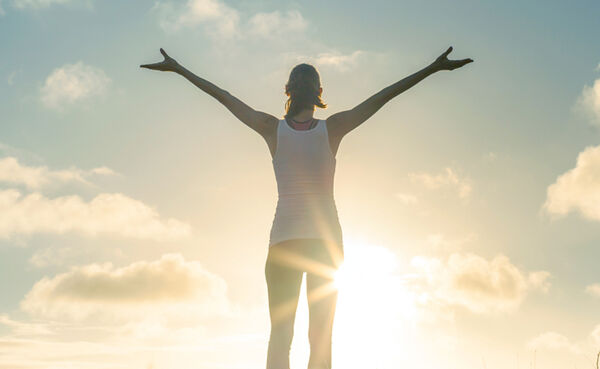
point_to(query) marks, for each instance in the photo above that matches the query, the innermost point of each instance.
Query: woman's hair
(303, 90)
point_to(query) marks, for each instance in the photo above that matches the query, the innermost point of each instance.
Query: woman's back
(304, 168)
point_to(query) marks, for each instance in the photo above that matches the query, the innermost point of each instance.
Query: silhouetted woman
(305, 235)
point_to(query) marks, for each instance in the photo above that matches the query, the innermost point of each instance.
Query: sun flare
(373, 305)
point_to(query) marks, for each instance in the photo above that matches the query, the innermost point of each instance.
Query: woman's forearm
(404, 84)
(206, 86)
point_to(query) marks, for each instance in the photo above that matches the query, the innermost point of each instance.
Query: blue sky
(488, 173)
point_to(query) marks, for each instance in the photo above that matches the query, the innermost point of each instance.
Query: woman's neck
(304, 115)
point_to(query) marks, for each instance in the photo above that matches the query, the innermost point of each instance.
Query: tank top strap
(320, 122)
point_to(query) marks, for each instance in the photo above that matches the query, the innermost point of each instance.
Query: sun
(365, 267)
(373, 305)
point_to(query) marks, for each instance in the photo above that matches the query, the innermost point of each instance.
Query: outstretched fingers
(453, 64)
(465, 61)
(163, 65)
(162, 51)
(445, 54)
(150, 66)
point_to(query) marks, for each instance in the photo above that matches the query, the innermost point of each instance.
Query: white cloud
(223, 22)
(237, 32)
(71, 255)
(539, 280)
(9, 150)
(40, 4)
(168, 310)
(148, 343)
(10, 80)
(220, 19)
(50, 256)
(269, 25)
(448, 178)
(593, 289)
(406, 198)
(490, 156)
(73, 83)
(339, 61)
(553, 341)
(442, 242)
(589, 101)
(11, 171)
(475, 283)
(113, 214)
(335, 60)
(170, 284)
(577, 189)
(595, 336)
(556, 341)
(2, 12)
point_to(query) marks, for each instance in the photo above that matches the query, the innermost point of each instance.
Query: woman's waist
(306, 198)
(300, 206)
(305, 186)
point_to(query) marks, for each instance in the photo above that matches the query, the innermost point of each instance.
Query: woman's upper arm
(259, 121)
(345, 121)
(265, 124)
(339, 124)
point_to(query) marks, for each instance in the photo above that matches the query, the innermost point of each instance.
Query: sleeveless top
(304, 168)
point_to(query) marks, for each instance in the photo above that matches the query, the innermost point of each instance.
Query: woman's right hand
(167, 65)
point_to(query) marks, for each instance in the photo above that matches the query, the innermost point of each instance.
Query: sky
(135, 209)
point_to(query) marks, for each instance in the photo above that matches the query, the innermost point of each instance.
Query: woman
(305, 235)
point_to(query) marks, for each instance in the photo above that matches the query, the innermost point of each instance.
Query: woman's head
(304, 90)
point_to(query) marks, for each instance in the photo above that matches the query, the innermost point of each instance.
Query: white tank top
(304, 167)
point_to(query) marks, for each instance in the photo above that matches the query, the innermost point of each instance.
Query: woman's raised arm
(261, 122)
(343, 122)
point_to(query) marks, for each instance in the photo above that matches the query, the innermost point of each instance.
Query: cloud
(101, 315)
(593, 289)
(50, 256)
(11, 171)
(220, 19)
(73, 83)
(70, 255)
(2, 12)
(41, 4)
(577, 189)
(169, 284)
(406, 198)
(223, 22)
(442, 242)
(595, 336)
(557, 341)
(589, 102)
(9, 150)
(553, 341)
(236, 32)
(269, 25)
(336, 60)
(339, 61)
(448, 178)
(107, 213)
(479, 285)
(490, 157)
(10, 80)
(23, 328)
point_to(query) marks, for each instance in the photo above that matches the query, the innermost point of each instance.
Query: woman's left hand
(442, 62)
(167, 65)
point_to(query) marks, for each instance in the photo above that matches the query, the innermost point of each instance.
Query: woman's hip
(311, 255)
